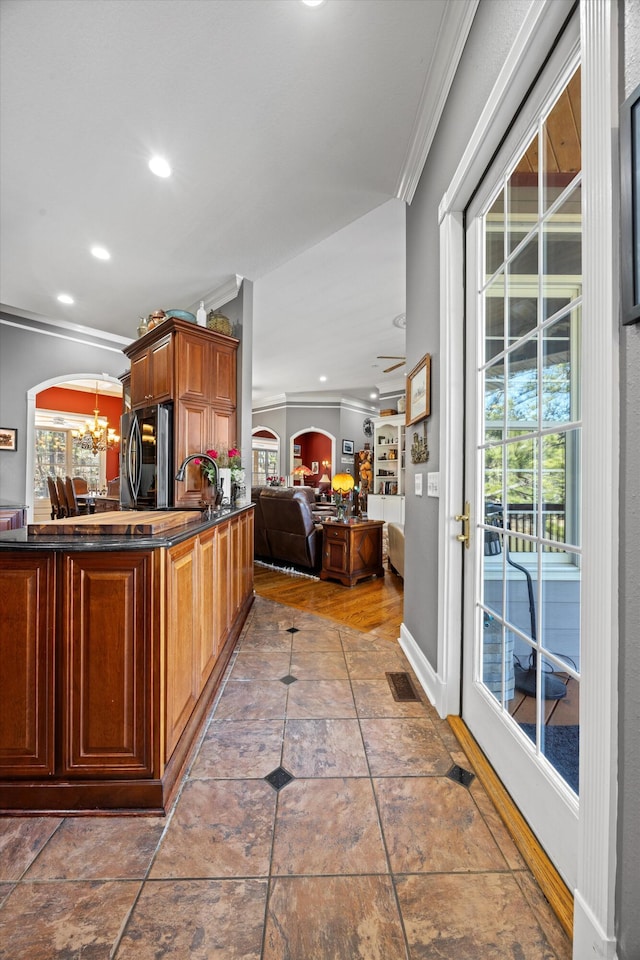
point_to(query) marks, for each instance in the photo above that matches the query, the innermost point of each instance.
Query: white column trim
(595, 894)
(452, 454)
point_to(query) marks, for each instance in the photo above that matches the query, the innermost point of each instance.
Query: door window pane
(529, 456)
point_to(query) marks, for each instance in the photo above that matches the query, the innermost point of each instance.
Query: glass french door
(521, 674)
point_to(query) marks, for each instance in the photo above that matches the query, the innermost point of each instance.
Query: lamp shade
(324, 479)
(302, 471)
(343, 482)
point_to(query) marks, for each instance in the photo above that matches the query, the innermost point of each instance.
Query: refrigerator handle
(134, 459)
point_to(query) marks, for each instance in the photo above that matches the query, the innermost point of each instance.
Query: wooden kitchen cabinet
(106, 663)
(115, 656)
(152, 375)
(27, 713)
(196, 369)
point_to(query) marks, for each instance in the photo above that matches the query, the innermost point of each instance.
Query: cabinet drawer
(336, 533)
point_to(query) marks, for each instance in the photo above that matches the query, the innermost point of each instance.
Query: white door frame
(595, 890)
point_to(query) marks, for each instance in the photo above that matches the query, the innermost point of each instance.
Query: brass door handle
(463, 518)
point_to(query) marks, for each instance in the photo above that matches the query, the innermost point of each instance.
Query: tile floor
(369, 852)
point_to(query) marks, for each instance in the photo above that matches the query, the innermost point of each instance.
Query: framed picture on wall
(8, 438)
(630, 207)
(314, 467)
(347, 446)
(297, 449)
(419, 391)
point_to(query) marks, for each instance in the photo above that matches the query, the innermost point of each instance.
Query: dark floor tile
(315, 699)
(5, 890)
(407, 746)
(328, 827)
(239, 749)
(261, 665)
(451, 836)
(252, 700)
(198, 920)
(319, 665)
(21, 840)
(220, 828)
(333, 918)
(99, 848)
(468, 918)
(65, 921)
(324, 748)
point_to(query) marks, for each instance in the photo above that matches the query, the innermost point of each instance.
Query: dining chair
(80, 485)
(73, 506)
(56, 510)
(62, 498)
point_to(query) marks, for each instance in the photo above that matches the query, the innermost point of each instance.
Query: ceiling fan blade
(394, 367)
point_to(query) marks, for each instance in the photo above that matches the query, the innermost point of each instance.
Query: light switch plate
(418, 484)
(433, 484)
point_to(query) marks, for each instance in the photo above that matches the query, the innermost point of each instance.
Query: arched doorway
(314, 448)
(265, 455)
(55, 408)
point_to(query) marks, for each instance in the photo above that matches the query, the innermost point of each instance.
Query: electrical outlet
(433, 484)
(418, 484)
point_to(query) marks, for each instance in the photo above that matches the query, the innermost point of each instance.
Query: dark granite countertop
(21, 540)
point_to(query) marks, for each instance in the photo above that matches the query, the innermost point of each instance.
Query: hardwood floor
(373, 606)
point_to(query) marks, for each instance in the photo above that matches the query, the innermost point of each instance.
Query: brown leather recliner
(284, 526)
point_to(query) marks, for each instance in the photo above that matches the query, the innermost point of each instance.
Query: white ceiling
(290, 131)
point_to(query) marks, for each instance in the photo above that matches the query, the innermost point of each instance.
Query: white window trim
(595, 889)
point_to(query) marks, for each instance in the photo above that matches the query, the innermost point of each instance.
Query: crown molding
(64, 329)
(220, 295)
(452, 36)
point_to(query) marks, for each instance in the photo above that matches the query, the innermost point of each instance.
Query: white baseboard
(428, 678)
(589, 940)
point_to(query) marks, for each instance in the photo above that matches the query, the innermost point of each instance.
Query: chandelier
(97, 436)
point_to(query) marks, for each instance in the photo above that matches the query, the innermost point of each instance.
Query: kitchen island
(115, 634)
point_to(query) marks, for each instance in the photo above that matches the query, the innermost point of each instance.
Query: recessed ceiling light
(100, 253)
(322, 379)
(160, 167)
(373, 396)
(314, 3)
(65, 298)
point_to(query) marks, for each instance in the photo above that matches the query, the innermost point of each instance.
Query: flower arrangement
(276, 481)
(224, 458)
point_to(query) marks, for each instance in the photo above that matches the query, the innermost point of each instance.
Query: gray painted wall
(495, 26)
(29, 356)
(628, 873)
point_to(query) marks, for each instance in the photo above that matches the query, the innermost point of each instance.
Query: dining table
(98, 503)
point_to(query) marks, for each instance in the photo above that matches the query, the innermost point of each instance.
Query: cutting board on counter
(116, 523)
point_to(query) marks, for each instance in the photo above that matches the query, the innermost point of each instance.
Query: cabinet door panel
(209, 639)
(223, 591)
(162, 371)
(224, 374)
(194, 368)
(193, 434)
(140, 380)
(27, 590)
(224, 428)
(182, 654)
(106, 664)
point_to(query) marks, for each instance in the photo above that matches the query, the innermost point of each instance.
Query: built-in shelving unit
(386, 502)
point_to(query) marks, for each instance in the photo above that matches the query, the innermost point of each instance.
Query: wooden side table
(351, 551)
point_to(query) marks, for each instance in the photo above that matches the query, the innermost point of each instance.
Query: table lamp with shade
(343, 484)
(301, 472)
